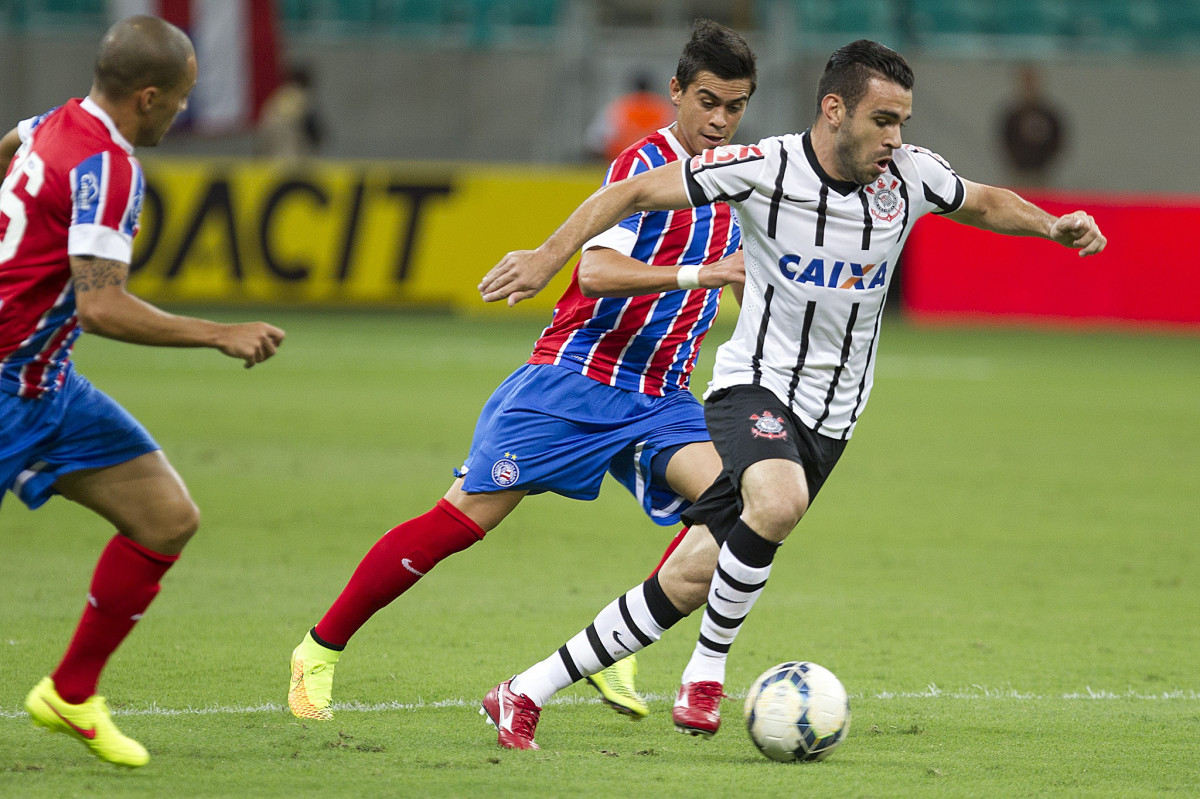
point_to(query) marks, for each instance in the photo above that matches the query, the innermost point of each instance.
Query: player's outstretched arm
(607, 273)
(523, 273)
(1003, 211)
(105, 308)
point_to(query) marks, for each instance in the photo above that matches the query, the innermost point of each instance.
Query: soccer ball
(797, 711)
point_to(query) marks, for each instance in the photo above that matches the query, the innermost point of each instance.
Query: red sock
(123, 585)
(671, 547)
(403, 556)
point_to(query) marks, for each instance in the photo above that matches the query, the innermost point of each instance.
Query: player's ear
(833, 109)
(676, 91)
(145, 98)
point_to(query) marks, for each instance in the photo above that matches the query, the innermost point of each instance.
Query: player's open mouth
(714, 141)
(882, 164)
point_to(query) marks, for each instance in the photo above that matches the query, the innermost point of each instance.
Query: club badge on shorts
(767, 426)
(505, 471)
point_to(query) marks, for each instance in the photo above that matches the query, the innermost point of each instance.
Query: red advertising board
(1149, 274)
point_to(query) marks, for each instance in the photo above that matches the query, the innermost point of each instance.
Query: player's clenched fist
(1079, 231)
(253, 342)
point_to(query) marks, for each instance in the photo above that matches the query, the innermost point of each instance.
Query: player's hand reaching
(1079, 231)
(729, 271)
(520, 275)
(253, 342)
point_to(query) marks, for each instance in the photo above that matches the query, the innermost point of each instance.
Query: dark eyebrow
(882, 112)
(740, 98)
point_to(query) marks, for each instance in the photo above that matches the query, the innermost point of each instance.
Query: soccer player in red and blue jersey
(606, 388)
(69, 208)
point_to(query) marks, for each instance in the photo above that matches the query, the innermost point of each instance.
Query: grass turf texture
(1003, 571)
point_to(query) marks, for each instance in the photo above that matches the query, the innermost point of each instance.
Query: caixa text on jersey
(833, 274)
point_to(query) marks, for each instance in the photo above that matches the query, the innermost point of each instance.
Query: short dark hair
(141, 51)
(851, 68)
(718, 49)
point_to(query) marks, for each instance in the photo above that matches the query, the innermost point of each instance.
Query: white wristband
(688, 276)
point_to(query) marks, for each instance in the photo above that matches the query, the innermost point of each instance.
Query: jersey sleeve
(725, 174)
(106, 201)
(942, 188)
(25, 126)
(623, 236)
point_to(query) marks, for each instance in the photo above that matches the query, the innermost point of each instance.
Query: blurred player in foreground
(825, 214)
(606, 388)
(68, 213)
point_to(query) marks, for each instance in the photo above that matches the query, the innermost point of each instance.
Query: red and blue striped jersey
(649, 343)
(73, 188)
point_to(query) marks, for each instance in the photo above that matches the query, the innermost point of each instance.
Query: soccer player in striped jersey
(69, 210)
(825, 214)
(606, 388)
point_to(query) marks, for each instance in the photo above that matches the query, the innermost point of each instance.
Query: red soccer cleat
(515, 716)
(697, 709)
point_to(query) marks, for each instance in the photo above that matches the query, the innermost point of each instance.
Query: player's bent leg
(687, 573)
(144, 498)
(88, 722)
(400, 558)
(693, 469)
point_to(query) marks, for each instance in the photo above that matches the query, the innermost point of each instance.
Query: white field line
(974, 692)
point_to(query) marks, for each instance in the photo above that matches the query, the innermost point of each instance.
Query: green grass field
(1004, 571)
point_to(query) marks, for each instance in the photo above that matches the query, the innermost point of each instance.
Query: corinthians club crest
(886, 203)
(767, 426)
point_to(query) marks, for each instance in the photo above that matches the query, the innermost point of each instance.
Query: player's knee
(175, 526)
(774, 516)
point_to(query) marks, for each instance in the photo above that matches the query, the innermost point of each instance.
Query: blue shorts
(547, 428)
(76, 427)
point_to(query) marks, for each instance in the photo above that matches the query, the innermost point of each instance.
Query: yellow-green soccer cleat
(88, 723)
(618, 690)
(311, 690)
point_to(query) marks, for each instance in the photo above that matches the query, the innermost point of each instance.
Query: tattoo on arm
(92, 273)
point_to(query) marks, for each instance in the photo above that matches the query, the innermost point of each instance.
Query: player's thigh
(774, 497)
(486, 508)
(693, 469)
(144, 498)
(687, 573)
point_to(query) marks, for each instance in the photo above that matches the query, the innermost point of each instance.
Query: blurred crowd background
(521, 81)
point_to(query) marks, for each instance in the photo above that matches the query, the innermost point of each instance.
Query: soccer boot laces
(514, 716)
(697, 709)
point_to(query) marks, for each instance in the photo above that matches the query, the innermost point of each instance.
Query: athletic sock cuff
(146, 552)
(324, 643)
(665, 614)
(749, 547)
(466, 521)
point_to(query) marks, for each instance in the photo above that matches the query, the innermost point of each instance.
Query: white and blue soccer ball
(797, 711)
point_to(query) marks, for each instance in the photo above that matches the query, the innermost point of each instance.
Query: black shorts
(749, 424)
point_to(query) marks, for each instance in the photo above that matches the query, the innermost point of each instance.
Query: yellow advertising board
(344, 233)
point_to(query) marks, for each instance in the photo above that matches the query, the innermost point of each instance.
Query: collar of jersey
(89, 105)
(842, 187)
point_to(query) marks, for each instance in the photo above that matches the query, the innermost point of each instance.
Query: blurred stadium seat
(1005, 28)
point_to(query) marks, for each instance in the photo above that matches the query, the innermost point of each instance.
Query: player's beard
(851, 154)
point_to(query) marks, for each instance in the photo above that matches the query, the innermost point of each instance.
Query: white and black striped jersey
(819, 255)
